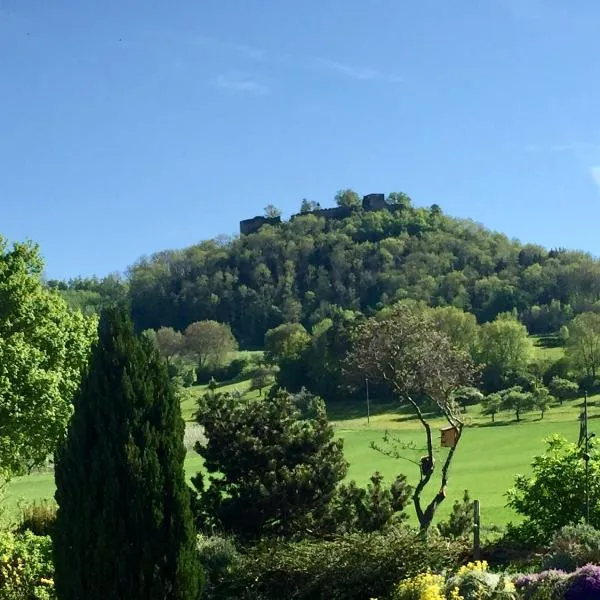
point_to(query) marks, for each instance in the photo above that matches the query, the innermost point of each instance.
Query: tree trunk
(518, 413)
(493, 417)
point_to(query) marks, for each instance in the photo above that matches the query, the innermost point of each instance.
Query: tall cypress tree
(124, 525)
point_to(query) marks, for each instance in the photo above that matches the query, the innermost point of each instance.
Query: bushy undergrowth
(26, 568)
(573, 546)
(351, 567)
(583, 584)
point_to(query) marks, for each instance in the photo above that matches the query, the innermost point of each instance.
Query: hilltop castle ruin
(370, 203)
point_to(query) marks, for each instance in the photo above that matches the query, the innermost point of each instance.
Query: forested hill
(300, 270)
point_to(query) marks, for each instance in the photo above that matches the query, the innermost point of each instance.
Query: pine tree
(124, 524)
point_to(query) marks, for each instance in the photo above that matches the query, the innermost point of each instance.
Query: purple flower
(584, 584)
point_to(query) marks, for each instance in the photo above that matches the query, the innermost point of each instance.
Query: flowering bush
(424, 586)
(584, 584)
(547, 585)
(474, 582)
(471, 582)
(26, 569)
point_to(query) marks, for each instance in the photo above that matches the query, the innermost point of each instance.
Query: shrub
(548, 585)
(461, 520)
(39, 518)
(584, 584)
(26, 569)
(227, 372)
(474, 582)
(217, 555)
(573, 546)
(351, 567)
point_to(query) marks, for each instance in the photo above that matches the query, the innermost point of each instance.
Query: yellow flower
(455, 595)
(478, 565)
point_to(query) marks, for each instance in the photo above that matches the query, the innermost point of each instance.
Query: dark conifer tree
(124, 525)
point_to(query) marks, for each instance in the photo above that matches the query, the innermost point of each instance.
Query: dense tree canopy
(273, 465)
(43, 349)
(301, 269)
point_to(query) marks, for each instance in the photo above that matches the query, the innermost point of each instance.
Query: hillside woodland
(301, 270)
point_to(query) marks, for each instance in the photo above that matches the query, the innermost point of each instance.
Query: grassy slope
(486, 461)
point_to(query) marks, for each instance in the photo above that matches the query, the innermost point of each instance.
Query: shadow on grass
(352, 409)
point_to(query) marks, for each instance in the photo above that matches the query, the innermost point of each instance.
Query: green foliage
(474, 582)
(287, 341)
(374, 508)
(364, 262)
(492, 405)
(317, 365)
(43, 348)
(120, 484)
(554, 494)
(170, 342)
(563, 389)
(272, 470)
(38, 517)
(271, 211)
(91, 294)
(573, 546)
(217, 555)
(517, 400)
(351, 567)
(262, 376)
(461, 519)
(348, 198)
(210, 342)
(583, 347)
(26, 569)
(504, 348)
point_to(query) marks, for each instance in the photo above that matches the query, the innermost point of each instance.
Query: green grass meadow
(486, 462)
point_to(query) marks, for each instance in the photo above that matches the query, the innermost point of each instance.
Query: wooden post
(476, 531)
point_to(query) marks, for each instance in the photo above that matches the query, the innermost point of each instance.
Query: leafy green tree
(491, 405)
(541, 398)
(124, 524)
(309, 205)
(285, 341)
(563, 389)
(170, 342)
(583, 346)
(504, 348)
(210, 341)
(272, 211)
(517, 400)
(553, 495)
(460, 326)
(399, 199)
(348, 198)
(405, 351)
(43, 348)
(272, 469)
(261, 377)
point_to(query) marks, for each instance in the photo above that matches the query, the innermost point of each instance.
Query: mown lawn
(488, 458)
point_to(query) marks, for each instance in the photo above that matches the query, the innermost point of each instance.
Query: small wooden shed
(449, 436)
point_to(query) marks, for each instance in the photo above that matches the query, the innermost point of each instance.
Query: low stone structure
(370, 203)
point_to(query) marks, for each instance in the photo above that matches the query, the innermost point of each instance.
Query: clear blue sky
(131, 126)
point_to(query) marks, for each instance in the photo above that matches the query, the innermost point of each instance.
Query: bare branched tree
(407, 352)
